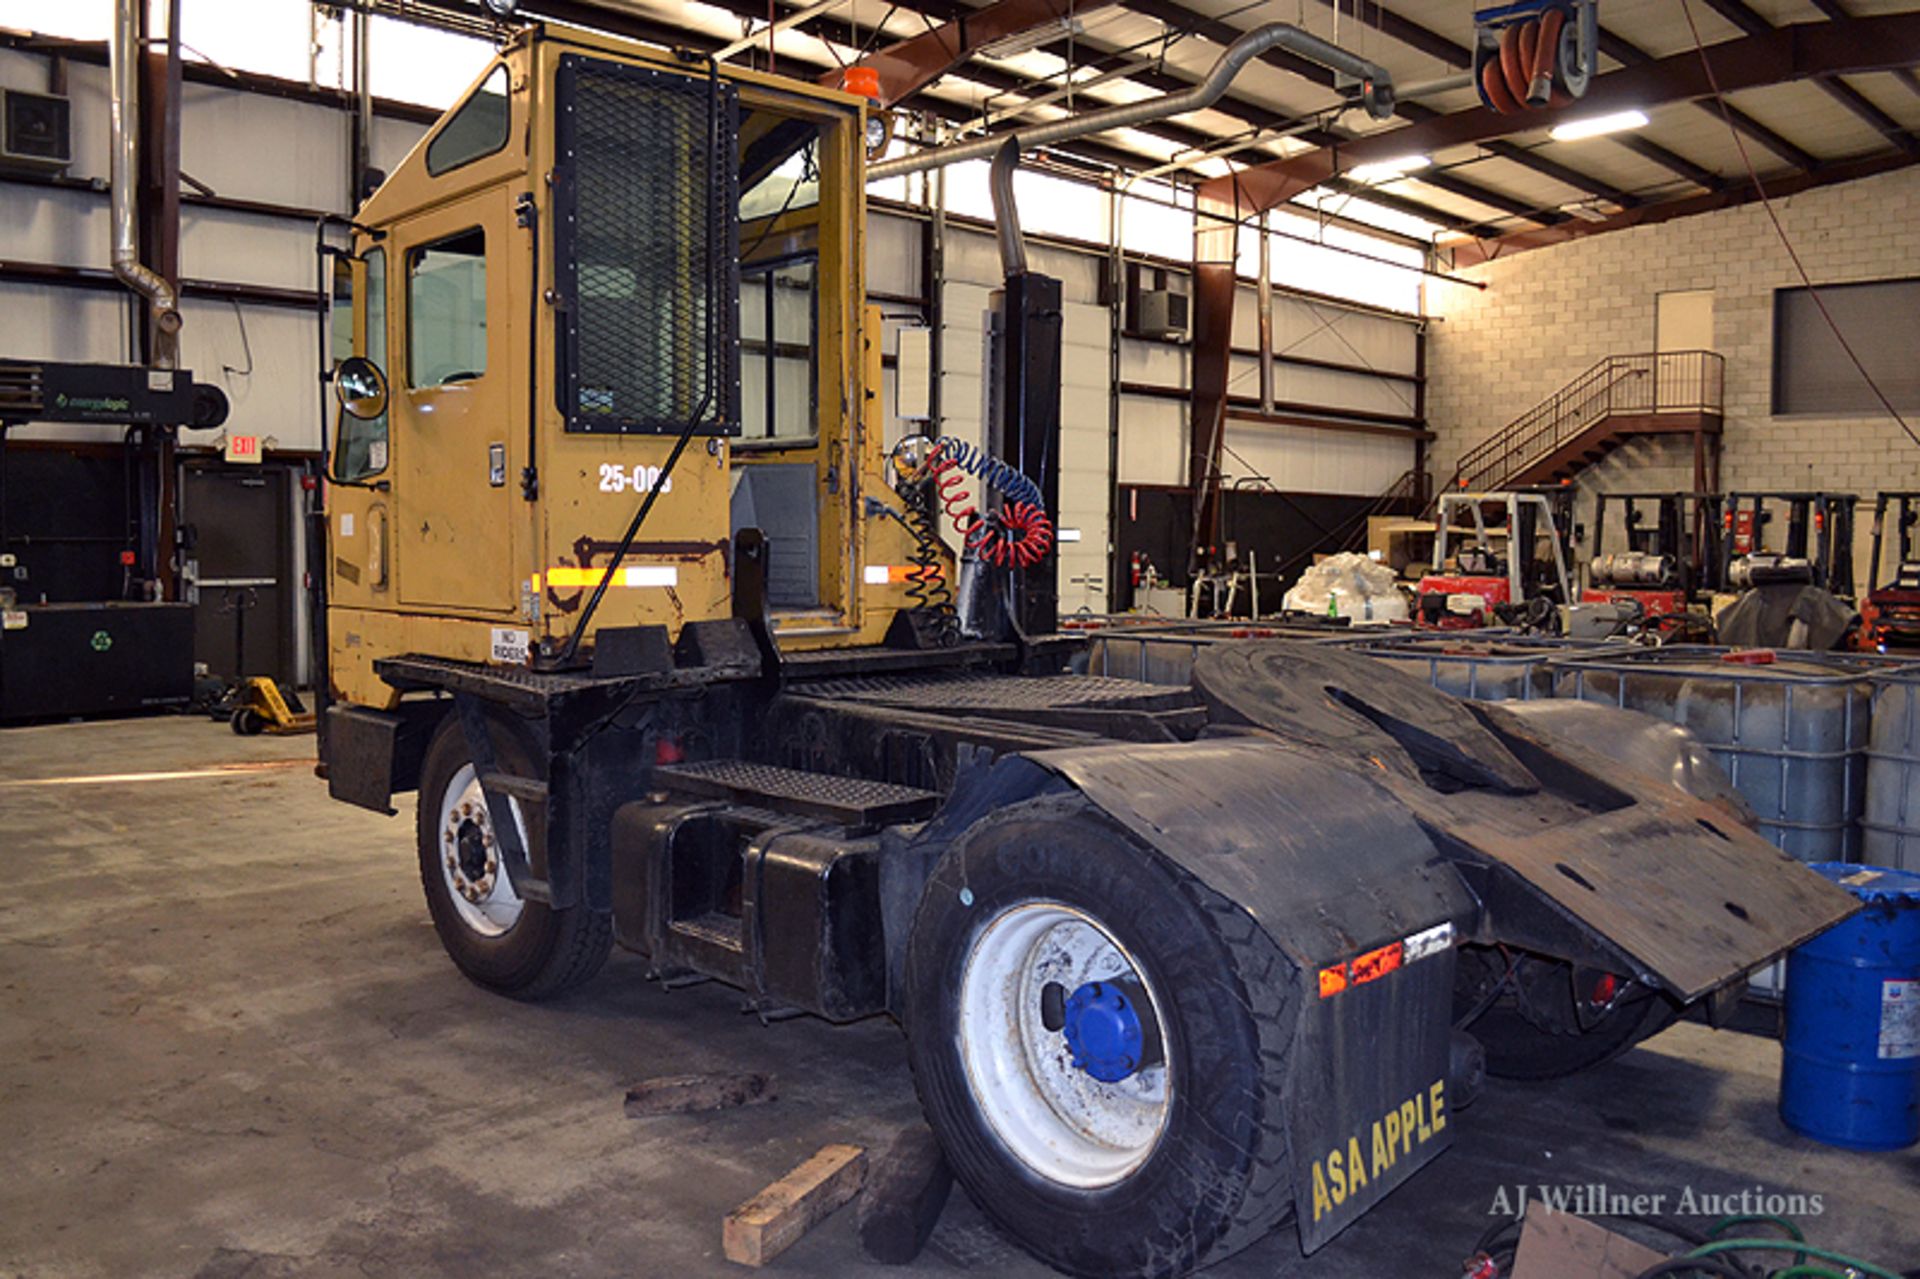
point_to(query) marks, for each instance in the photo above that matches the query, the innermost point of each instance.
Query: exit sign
(243, 448)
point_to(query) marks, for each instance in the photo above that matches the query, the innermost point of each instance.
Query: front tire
(511, 946)
(1175, 1165)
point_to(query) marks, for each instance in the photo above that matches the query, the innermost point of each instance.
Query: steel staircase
(1679, 392)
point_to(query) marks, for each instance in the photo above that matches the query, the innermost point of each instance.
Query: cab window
(447, 310)
(772, 184)
(478, 128)
(779, 350)
(361, 449)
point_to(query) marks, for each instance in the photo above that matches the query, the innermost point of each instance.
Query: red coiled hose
(1522, 76)
(952, 486)
(1019, 535)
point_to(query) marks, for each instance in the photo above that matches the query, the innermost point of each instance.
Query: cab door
(458, 434)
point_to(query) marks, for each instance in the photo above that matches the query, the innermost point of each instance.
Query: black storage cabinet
(96, 659)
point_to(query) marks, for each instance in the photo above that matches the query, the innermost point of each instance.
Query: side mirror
(360, 387)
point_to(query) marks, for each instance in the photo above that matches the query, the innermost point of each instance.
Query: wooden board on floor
(774, 1220)
(692, 1094)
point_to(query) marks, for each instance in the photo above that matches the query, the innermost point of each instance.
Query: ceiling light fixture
(1388, 170)
(1027, 41)
(1587, 210)
(1595, 125)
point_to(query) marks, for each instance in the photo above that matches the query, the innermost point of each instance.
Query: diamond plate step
(1002, 693)
(714, 929)
(846, 800)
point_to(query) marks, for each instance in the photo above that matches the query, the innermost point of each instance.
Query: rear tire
(1171, 1168)
(525, 949)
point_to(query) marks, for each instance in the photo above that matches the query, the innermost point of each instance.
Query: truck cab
(597, 246)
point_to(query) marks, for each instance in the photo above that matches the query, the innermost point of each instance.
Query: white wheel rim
(470, 861)
(1054, 1117)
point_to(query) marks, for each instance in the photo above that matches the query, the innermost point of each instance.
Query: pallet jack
(255, 704)
(260, 705)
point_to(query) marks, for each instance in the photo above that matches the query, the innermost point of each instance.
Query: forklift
(1671, 561)
(681, 663)
(1789, 537)
(1508, 570)
(1890, 609)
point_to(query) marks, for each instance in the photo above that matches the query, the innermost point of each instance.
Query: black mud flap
(360, 753)
(1351, 889)
(1369, 1104)
(373, 755)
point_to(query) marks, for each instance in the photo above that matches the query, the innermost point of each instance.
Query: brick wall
(1549, 314)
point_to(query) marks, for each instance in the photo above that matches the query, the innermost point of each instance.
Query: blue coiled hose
(991, 471)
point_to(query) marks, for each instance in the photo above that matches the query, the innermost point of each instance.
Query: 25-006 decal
(615, 478)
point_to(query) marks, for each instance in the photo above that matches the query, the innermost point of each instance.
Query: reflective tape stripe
(566, 578)
(1431, 942)
(1391, 957)
(1376, 964)
(888, 574)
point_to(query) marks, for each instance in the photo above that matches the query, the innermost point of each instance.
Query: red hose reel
(1534, 54)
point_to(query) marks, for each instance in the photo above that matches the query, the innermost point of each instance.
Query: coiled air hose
(1019, 534)
(926, 584)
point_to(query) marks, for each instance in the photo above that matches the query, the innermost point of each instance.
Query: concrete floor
(230, 1046)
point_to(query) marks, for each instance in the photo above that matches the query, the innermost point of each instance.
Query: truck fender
(1355, 895)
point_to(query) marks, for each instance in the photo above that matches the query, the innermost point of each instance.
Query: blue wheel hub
(1104, 1032)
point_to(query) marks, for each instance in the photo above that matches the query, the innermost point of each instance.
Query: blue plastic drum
(1851, 1074)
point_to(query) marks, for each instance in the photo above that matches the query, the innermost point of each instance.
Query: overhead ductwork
(123, 72)
(1376, 94)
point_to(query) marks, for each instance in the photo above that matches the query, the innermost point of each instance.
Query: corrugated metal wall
(293, 154)
(243, 145)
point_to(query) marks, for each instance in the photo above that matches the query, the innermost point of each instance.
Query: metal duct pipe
(1444, 84)
(1375, 82)
(1006, 213)
(123, 52)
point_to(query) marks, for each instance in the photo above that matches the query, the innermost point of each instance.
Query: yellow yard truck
(621, 582)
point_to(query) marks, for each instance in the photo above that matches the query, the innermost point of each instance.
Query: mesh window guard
(646, 267)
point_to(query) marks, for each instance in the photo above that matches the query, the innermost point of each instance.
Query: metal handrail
(1645, 383)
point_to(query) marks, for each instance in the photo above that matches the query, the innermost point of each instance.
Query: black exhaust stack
(1024, 429)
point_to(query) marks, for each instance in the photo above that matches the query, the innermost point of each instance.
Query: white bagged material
(1349, 585)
